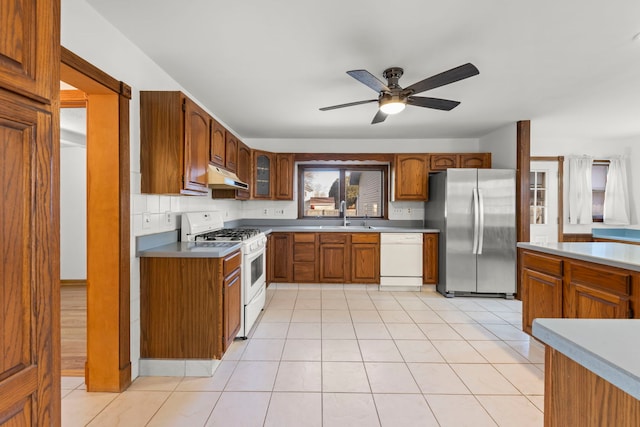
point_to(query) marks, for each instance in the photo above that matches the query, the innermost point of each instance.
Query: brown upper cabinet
(244, 169)
(217, 148)
(411, 177)
(284, 177)
(174, 144)
(443, 161)
(272, 176)
(262, 187)
(475, 160)
(231, 152)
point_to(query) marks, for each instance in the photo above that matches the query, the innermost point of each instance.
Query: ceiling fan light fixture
(392, 105)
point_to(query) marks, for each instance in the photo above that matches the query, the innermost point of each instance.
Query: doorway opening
(108, 365)
(73, 230)
(546, 199)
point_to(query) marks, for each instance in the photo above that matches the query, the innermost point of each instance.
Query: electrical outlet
(397, 211)
(279, 211)
(265, 211)
(168, 219)
(146, 220)
(408, 211)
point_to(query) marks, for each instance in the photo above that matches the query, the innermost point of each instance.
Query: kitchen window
(538, 197)
(599, 171)
(362, 187)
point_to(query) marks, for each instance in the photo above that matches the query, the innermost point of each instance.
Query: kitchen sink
(328, 227)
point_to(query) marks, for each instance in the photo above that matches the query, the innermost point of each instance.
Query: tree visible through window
(362, 188)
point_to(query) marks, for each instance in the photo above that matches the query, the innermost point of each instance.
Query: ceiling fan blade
(365, 77)
(350, 104)
(435, 103)
(379, 117)
(450, 76)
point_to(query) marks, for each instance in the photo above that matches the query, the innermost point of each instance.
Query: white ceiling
(265, 67)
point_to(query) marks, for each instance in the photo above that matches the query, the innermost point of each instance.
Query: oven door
(254, 274)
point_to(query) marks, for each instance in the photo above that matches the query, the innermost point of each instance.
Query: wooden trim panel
(575, 396)
(108, 212)
(380, 157)
(523, 166)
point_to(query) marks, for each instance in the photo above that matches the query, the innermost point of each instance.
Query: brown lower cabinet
(560, 287)
(430, 258)
(324, 257)
(305, 248)
(280, 257)
(190, 307)
(334, 261)
(365, 258)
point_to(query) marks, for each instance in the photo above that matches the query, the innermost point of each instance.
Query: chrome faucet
(343, 209)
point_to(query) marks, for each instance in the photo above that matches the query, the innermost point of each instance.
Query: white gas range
(205, 229)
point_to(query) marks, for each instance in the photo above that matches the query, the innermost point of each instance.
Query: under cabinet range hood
(223, 179)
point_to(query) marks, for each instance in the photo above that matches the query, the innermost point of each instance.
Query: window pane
(322, 193)
(364, 192)
(537, 197)
(598, 183)
(598, 205)
(599, 176)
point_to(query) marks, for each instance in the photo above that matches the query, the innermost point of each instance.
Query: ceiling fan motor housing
(392, 75)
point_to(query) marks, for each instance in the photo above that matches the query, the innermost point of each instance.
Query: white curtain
(616, 193)
(580, 195)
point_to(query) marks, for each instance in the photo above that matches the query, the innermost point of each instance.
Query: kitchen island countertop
(612, 254)
(607, 347)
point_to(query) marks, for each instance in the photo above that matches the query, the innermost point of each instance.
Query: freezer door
(496, 264)
(460, 211)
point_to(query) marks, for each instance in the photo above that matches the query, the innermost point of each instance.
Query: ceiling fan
(392, 98)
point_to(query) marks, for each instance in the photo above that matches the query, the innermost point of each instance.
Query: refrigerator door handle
(481, 223)
(476, 220)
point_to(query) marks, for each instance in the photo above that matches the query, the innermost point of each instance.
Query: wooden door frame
(560, 160)
(108, 366)
(523, 154)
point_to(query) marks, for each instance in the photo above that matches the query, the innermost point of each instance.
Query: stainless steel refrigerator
(474, 209)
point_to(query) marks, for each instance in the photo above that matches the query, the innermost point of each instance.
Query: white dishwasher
(401, 261)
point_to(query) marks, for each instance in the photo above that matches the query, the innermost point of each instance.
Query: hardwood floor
(73, 304)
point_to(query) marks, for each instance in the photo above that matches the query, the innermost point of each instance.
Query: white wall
(600, 149)
(73, 213)
(502, 145)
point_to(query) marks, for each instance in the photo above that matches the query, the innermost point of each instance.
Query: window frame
(342, 168)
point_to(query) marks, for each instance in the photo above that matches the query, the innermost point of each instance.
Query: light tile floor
(336, 355)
